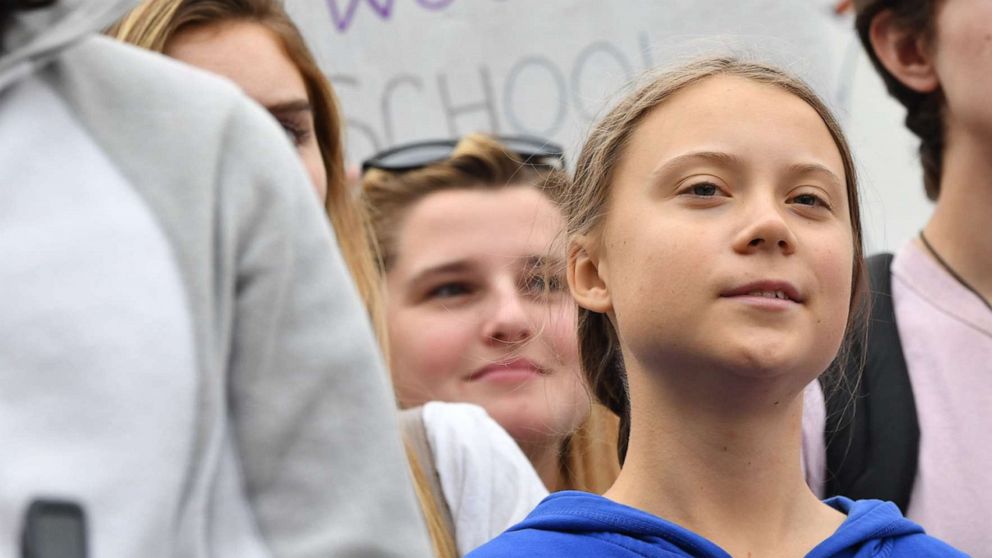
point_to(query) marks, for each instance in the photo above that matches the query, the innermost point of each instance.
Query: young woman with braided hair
(935, 57)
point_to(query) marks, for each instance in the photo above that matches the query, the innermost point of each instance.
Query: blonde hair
(153, 23)
(587, 196)
(479, 161)
(442, 540)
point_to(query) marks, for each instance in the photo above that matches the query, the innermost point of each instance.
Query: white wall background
(419, 69)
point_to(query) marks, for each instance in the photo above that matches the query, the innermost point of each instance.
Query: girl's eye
(703, 190)
(449, 290)
(811, 200)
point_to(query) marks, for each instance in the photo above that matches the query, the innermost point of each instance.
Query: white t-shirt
(487, 480)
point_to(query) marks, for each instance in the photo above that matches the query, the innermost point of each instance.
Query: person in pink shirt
(935, 57)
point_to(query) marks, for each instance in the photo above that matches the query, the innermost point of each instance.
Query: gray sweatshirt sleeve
(313, 418)
(295, 440)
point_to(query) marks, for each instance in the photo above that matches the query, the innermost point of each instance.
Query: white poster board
(424, 69)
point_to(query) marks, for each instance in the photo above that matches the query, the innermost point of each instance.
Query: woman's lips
(512, 371)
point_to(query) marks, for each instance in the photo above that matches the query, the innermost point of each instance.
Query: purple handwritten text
(344, 17)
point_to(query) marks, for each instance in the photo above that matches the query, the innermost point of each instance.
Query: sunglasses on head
(417, 155)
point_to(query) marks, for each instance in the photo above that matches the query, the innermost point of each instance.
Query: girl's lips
(768, 290)
(511, 371)
(765, 303)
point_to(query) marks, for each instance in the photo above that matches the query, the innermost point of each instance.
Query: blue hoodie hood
(581, 525)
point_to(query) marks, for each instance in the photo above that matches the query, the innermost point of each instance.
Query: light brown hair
(153, 23)
(480, 161)
(924, 111)
(587, 196)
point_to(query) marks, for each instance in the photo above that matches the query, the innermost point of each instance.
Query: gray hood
(33, 36)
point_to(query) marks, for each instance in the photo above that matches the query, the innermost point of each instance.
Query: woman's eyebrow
(541, 262)
(547, 266)
(298, 105)
(457, 266)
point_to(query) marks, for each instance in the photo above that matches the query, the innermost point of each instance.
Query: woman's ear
(586, 272)
(905, 53)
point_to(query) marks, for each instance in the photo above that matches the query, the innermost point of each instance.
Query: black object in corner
(54, 529)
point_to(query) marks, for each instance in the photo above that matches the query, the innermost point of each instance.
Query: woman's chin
(530, 431)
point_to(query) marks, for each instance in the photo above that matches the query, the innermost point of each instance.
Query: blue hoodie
(581, 525)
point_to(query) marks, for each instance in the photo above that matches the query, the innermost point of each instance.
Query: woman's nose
(508, 321)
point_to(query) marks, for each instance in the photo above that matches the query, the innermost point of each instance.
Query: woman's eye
(811, 200)
(540, 284)
(449, 290)
(296, 134)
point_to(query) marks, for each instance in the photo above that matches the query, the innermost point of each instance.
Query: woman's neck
(545, 456)
(958, 228)
(730, 475)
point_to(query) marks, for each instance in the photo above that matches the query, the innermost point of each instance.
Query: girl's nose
(766, 230)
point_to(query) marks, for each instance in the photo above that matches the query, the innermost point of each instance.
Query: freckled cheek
(833, 270)
(660, 271)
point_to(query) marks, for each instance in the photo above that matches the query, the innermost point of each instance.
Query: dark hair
(586, 199)
(6, 10)
(924, 111)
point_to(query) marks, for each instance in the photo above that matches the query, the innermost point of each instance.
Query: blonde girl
(475, 299)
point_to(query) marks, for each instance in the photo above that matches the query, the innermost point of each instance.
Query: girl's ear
(906, 54)
(585, 276)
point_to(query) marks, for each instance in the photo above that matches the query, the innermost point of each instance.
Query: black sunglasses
(417, 155)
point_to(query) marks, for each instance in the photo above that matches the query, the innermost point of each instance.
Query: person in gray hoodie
(184, 358)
